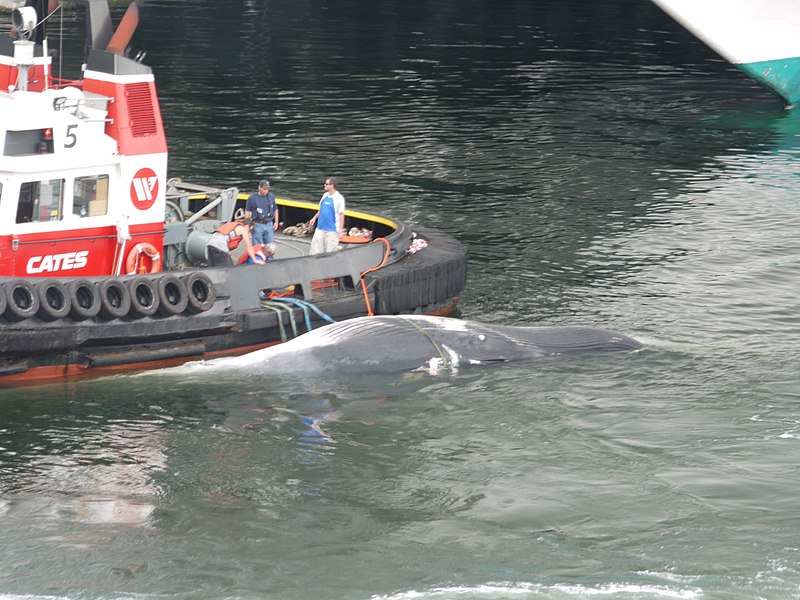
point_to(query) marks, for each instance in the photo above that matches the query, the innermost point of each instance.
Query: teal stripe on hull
(781, 76)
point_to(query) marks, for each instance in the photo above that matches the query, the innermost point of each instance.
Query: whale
(406, 343)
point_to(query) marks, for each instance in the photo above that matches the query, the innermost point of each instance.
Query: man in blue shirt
(329, 219)
(263, 209)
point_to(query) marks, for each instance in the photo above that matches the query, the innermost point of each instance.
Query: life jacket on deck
(229, 231)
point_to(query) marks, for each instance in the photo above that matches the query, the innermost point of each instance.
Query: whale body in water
(387, 344)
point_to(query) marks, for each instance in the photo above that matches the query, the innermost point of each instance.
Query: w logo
(144, 188)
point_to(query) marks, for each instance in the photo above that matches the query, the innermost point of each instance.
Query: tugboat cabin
(80, 174)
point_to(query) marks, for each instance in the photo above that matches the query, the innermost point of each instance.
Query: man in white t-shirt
(329, 220)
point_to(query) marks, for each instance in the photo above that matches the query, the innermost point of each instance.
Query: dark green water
(603, 168)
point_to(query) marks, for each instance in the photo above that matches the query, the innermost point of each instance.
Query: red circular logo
(144, 188)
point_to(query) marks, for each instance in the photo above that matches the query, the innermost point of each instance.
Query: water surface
(603, 168)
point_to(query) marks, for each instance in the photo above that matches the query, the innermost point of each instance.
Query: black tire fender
(144, 296)
(84, 299)
(115, 299)
(22, 300)
(199, 292)
(172, 295)
(54, 301)
(3, 300)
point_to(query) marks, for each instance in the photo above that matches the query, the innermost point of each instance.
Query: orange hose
(326, 283)
(364, 283)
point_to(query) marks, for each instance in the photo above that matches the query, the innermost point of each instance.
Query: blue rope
(305, 306)
(277, 306)
(278, 310)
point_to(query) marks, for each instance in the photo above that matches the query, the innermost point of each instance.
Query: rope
(55, 10)
(279, 310)
(302, 306)
(445, 358)
(306, 306)
(316, 285)
(279, 307)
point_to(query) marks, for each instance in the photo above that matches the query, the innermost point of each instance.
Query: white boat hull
(761, 37)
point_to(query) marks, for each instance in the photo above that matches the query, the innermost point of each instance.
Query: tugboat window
(90, 196)
(40, 201)
(29, 141)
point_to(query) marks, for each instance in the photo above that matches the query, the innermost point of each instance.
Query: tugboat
(102, 257)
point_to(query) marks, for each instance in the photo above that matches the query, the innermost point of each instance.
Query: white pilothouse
(84, 162)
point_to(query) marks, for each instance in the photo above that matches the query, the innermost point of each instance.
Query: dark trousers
(218, 258)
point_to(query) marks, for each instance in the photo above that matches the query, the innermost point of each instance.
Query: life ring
(132, 262)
